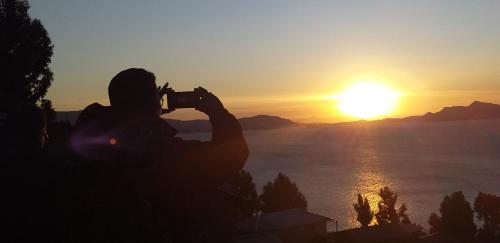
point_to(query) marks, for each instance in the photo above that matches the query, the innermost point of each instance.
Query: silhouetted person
(164, 185)
(30, 209)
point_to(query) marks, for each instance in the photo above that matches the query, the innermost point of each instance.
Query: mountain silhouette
(193, 126)
(264, 122)
(247, 123)
(475, 111)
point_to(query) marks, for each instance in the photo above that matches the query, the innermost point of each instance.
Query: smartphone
(184, 99)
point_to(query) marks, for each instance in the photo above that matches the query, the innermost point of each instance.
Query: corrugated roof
(278, 220)
(378, 233)
(260, 238)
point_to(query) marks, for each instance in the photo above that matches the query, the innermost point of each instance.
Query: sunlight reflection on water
(370, 178)
(421, 163)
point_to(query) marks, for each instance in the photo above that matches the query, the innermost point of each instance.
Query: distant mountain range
(193, 126)
(475, 111)
(247, 123)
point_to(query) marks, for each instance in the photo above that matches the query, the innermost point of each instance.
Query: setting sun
(366, 100)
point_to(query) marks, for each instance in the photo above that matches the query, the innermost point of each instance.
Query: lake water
(421, 162)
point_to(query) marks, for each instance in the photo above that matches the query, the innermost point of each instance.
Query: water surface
(422, 162)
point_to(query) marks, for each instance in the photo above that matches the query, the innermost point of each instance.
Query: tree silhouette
(405, 219)
(25, 53)
(387, 212)
(247, 204)
(49, 111)
(281, 194)
(363, 211)
(435, 223)
(456, 218)
(487, 207)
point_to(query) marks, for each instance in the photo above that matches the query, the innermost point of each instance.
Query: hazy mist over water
(422, 162)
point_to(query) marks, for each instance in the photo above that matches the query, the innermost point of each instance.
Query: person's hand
(209, 103)
(164, 90)
(161, 92)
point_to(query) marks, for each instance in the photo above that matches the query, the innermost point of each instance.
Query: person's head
(26, 126)
(135, 89)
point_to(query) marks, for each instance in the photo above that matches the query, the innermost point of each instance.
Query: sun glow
(366, 100)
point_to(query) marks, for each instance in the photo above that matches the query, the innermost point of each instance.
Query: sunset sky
(286, 58)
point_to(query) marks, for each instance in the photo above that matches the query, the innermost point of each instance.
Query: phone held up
(179, 100)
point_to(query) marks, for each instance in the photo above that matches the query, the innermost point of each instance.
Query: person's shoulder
(91, 112)
(93, 108)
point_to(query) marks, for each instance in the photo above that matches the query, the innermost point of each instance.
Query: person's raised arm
(225, 127)
(227, 152)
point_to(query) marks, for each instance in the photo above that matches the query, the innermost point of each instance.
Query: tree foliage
(363, 211)
(387, 212)
(247, 204)
(456, 217)
(403, 217)
(48, 109)
(25, 53)
(487, 207)
(281, 194)
(435, 223)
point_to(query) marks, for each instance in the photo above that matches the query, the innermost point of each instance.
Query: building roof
(378, 233)
(279, 220)
(258, 238)
(437, 238)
